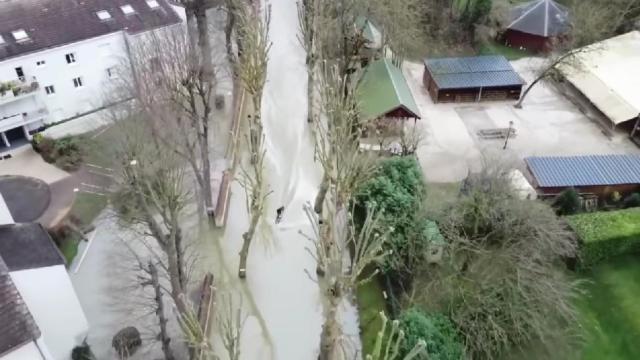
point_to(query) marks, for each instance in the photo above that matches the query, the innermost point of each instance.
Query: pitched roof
(540, 17)
(27, 246)
(369, 31)
(51, 23)
(472, 72)
(17, 326)
(588, 170)
(382, 89)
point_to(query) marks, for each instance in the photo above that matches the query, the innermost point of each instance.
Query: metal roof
(587, 170)
(472, 72)
(382, 89)
(602, 74)
(540, 17)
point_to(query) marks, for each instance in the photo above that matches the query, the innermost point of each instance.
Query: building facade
(57, 65)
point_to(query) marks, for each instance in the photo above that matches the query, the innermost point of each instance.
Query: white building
(606, 73)
(40, 314)
(56, 56)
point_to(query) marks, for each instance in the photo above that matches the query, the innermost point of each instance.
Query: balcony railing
(16, 89)
(12, 121)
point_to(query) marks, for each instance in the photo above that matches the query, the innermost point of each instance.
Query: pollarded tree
(388, 345)
(252, 72)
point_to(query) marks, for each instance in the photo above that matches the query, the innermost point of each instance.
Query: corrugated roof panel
(472, 72)
(588, 170)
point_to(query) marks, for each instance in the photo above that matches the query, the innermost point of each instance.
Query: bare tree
(174, 85)
(231, 321)
(307, 14)
(152, 196)
(345, 253)
(252, 72)
(569, 60)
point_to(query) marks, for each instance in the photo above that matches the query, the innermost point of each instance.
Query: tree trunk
(175, 278)
(206, 164)
(322, 193)
(164, 338)
(310, 93)
(331, 328)
(204, 42)
(246, 242)
(228, 32)
(518, 105)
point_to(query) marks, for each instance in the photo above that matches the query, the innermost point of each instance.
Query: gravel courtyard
(548, 124)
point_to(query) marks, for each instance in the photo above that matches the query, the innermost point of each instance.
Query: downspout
(479, 95)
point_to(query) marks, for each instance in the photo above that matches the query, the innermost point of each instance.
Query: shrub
(604, 235)
(66, 152)
(126, 342)
(435, 329)
(398, 191)
(567, 202)
(631, 201)
(82, 352)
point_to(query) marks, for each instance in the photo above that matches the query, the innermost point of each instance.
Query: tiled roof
(383, 89)
(588, 170)
(540, 17)
(17, 326)
(51, 23)
(27, 246)
(472, 72)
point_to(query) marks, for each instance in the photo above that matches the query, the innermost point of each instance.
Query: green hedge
(604, 235)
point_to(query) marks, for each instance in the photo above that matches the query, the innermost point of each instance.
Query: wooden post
(635, 127)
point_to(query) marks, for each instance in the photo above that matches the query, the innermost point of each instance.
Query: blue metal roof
(472, 72)
(588, 170)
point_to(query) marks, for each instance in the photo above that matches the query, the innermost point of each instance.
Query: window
(20, 72)
(20, 35)
(103, 15)
(71, 58)
(1, 40)
(127, 9)
(77, 82)
(49, 89)
(40, 63)
(153, 4)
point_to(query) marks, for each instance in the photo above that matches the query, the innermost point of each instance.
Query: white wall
(54, 305)
(93, 57)
(28, 351)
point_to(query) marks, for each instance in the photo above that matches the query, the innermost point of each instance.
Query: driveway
(548, 124)
(27, 162)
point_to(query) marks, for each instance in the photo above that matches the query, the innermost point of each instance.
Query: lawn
(370, 303)
(493, 48)
(611, 310)
(86, 207)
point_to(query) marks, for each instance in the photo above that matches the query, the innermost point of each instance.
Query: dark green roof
(382, 89)
(369, 31)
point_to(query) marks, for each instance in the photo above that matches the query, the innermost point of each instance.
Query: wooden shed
(595, 175)
(537, 25)
(470, 79)
(384, 97)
